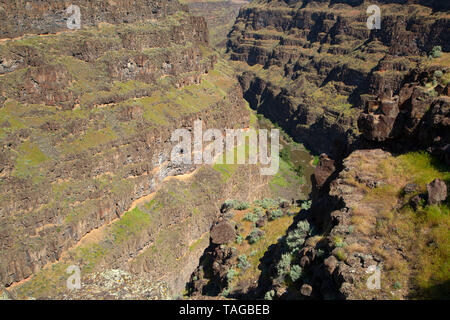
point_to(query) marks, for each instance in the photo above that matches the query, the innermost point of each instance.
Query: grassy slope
(423, 234)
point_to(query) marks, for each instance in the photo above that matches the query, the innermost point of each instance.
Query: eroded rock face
(220, 16)
(323, 171)
(437, 192)
(415, 118)
(41, 17)
(334, 275)
(379, 125)
(90, 114)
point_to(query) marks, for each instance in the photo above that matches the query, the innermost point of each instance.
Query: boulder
(415, 202)
(225, 207)
(280, 291)
(261, 221)
(330, 264)
(437, 191)
(304, 262)
(306, 290)
(284, 204)
(410, 188)
(222, 233)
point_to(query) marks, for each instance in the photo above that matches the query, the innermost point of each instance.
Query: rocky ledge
(378, 221)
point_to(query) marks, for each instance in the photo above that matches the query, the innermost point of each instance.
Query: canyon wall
(86, 118)
(42, 17)
(219, 15)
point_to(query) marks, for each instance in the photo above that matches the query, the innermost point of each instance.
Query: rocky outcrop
(324, 169)
(416, 118)
(437, 192)
(334, 273)
(368, 230)
(210, 277)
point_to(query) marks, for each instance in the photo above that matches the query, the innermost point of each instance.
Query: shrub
(285, 153)
(436, 52)
(238, 205)
(243, 262)
(266, 203)
(253, 253)
(251, 217)
(226, 292)
(438, 74)
(255, 235)
(432, 93)
(284, 264)
(299, 170)
(258, 211)
(340, 254)
(316, 160)
(306, 205)
(239, 239)
(269, 295)
(242, 205)
(295, 240)
(296, 272)
(275, 214)
(303, 226)
(397, 285)
(231, 274)
(231, 203)
(320, 253)
(339, 242)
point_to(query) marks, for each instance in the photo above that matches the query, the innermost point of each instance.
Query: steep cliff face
(41, 17)
(86, 118)
(314, 65)
(418, 117)
(151, 251)
(219, 15)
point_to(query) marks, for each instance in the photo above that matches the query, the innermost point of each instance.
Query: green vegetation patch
(28, 161)
(132, 223)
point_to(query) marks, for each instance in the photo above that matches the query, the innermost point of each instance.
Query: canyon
(86, 176)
